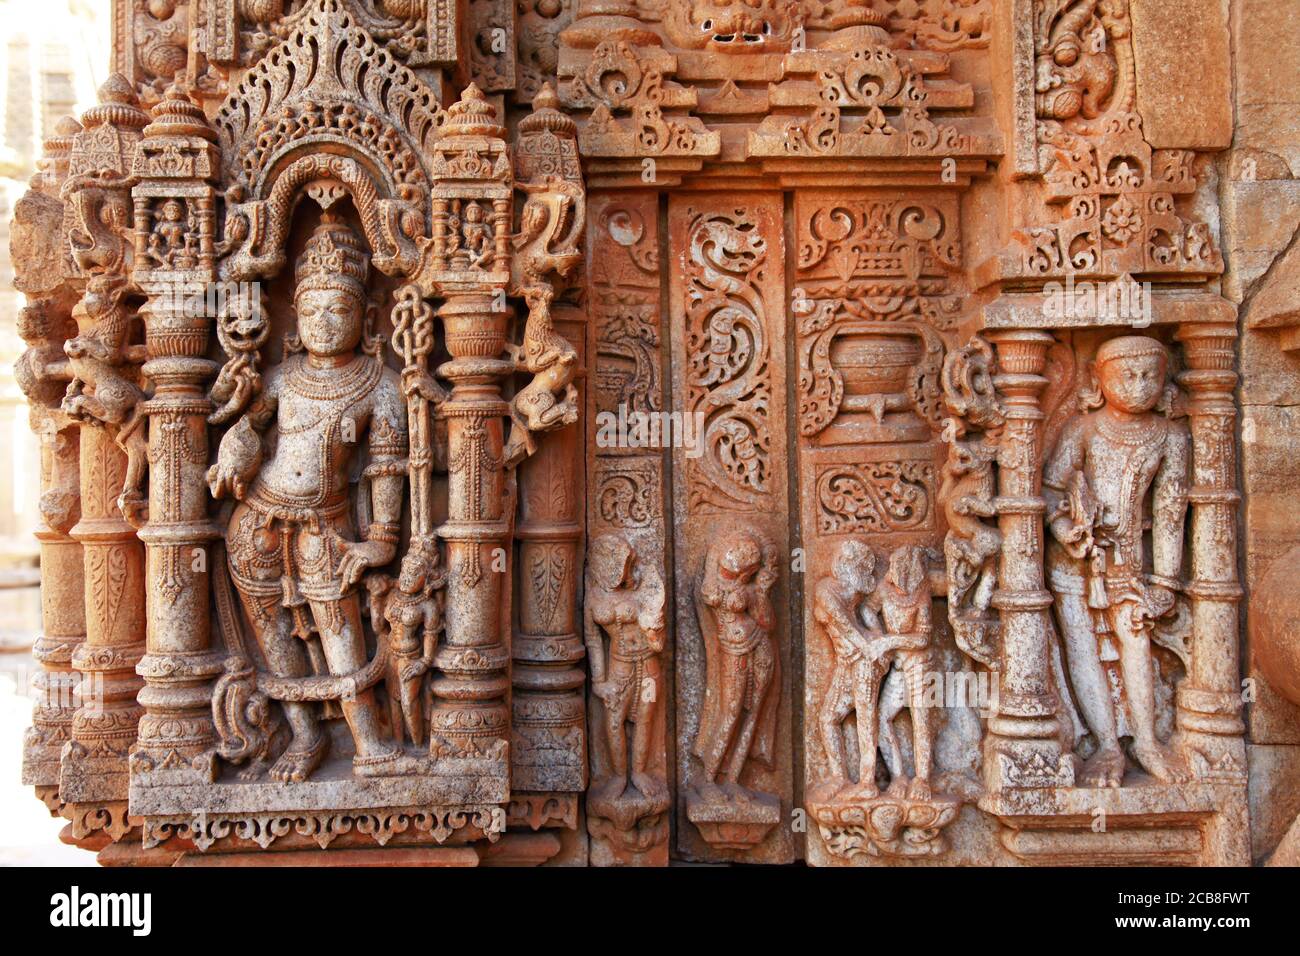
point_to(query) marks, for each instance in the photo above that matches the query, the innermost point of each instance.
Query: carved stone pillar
(468, 265)
(175, 266)
(103, 397)
(40, 253)
(1209, 699)
(63, 625)
(104, 726)
(1023, 748)
(549, 740)
(471, 711)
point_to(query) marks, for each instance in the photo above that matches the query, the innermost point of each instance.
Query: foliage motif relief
(728, 383)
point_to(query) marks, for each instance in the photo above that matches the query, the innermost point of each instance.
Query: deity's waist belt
(633, 655)
(300, 511)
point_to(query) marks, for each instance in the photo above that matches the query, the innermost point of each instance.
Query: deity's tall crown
(334, 258)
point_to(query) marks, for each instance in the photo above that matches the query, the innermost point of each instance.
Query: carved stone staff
(413, 340)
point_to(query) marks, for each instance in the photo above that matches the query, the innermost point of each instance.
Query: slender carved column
(1023, 749)
(63, 621)
(471, 711)
(103, 396)
(467, 263)
(175, 265)
(549, 742)
(1209, 699)
(549, 714)
(40, 255)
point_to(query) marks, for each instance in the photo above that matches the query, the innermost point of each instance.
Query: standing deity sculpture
(1117, 474)
(627, 605)
(293, 551)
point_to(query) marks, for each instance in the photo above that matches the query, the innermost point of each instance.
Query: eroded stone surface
(718, 432)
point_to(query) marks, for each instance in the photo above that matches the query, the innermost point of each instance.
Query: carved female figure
(1098, 481)
(628, 606)
(905, 607)
(411, 619)
(293, 553)
(739, 718)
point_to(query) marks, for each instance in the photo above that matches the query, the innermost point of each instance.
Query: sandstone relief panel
(612, 433)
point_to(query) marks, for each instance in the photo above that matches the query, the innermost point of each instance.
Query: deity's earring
(372, 342)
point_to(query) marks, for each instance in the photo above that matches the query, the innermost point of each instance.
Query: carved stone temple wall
(618, 432)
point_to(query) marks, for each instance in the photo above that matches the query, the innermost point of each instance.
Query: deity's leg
(1106, 766)
(285, 655)
(617, 707)
(914, 666)
(343, 640)
(747, 672)
(645, 706)
(838, 703)
(893, 699)
(412, 708)
(731, 690)
(1139, 687)
(865, 693)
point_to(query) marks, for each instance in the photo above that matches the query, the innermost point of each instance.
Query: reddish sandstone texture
(612, 433)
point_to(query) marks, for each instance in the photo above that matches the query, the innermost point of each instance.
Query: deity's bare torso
(321, 413)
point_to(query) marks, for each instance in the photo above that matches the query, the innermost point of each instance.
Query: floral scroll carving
(728, 384)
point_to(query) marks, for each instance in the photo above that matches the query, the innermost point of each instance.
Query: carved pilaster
(40, 253)
(1210, 698)
(467, 263)
(103, 396)
(174, 203)
(549, 714)
(1023, 749)
(625, 503)
(470, 710)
